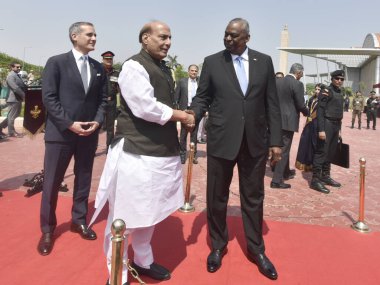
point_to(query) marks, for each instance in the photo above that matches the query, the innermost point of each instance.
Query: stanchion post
(360, 225)
(117, 230)
(187, 207)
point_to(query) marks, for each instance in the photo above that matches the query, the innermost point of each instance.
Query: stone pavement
(21, 158)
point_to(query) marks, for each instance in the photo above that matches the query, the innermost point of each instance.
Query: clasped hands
(84, 128)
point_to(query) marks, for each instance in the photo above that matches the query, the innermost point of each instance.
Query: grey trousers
(13, 113)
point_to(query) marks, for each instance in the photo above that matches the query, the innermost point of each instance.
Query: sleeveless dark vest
(147, 138)
(334, 108)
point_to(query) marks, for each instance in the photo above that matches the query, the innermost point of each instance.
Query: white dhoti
(142, 191)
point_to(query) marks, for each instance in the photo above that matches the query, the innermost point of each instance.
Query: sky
(37, 30)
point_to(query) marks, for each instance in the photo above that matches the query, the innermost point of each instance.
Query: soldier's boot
(326, 178)
(360, 126)
(367, 125)
(352, 124)
(316, 183)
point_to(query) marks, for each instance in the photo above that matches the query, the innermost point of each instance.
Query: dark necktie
(83, 73)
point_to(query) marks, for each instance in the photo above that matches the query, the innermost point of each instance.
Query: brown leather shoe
(84, 231)
(45, 245)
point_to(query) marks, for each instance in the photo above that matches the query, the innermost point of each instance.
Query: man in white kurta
(141, 189)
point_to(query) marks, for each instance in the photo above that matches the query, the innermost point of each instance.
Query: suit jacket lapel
(74, 69)
(229, 66)
(252, 59)
(93, 72)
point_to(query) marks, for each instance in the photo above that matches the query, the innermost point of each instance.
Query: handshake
(189, 121)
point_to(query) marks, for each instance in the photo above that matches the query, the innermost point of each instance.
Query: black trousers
(109, 118)
(251, 183)
(57, 159)
(282, 166)
(371, 116)
(326, 148)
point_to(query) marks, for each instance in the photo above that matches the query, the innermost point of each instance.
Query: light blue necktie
(241, 75)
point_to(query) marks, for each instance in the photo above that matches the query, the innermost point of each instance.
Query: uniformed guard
(372, 105)
(357, 109)
(113, 90)
(329, 117)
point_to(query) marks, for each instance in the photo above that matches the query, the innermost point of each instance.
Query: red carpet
(303, 254)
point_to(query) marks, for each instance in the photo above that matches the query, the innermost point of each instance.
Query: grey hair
(76, 28)
(243, 21)
(295, 68)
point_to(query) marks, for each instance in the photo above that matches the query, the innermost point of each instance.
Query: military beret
(108, 54)
(372, 92)
(338, 72)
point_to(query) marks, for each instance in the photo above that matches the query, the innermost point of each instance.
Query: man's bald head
(155, 38)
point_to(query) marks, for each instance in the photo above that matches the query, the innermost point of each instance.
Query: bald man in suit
(237, 87)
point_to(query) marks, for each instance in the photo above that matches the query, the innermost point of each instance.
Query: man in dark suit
(291, 95)
(74, 93)
(237, 87)
(184, 94)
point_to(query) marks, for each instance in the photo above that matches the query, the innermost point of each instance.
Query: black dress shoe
(214, 259)
(280, 185)
(201, 141)
(84, 231)
(329, 181)
(264, 264)
(317, 185)
(45, 245)
(156, 271)
(195, 160)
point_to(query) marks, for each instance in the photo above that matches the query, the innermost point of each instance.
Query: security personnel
(329, 117)
(113, 90)
(372, 104)
(357, 109)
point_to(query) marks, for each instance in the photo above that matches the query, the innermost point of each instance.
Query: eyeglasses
(339, 78)
(17, 66)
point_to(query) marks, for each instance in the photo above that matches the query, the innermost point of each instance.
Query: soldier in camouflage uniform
(357, 109)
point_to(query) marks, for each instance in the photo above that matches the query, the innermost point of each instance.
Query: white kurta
(141, 190)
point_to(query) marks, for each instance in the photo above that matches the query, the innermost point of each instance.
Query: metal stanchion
(360, 225)
(187, 207)
(117, 229)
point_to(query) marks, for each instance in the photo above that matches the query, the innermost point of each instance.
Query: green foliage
(180, 73)
(310, 89)
(6, 60)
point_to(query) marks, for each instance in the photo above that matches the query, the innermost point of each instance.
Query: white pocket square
(98, 74)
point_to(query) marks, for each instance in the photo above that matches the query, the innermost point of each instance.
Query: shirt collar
(244, 55)
(78, 55)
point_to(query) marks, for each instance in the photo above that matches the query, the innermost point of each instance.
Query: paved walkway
(22, 158)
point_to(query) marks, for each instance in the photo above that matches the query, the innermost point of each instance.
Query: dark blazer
(182, 93)
(231, 113)
(291, 95)
(65, 99)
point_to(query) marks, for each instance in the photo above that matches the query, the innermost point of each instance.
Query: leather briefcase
(342, 155)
